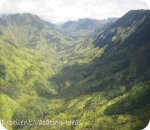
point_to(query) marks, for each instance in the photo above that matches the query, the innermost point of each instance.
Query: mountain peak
(132, 16)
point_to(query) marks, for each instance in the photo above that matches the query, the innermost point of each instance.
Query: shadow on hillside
(68, 79)
(108, 73)
(84, 79)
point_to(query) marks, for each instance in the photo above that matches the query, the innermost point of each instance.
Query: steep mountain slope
(101, 84)
(111, 91)
(128, 27)
(32, 31)
(27, 63)
(24, 75)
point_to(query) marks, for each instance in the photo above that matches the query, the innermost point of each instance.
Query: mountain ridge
(97, 84)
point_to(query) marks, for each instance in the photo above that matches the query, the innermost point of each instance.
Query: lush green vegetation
(87, 85)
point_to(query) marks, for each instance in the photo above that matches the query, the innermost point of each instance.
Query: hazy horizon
(60, 11)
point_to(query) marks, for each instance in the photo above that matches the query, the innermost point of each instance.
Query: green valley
(82, 75)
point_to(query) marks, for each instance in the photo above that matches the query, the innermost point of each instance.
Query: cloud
(58, 11)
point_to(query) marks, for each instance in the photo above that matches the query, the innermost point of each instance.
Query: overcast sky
(58, 11)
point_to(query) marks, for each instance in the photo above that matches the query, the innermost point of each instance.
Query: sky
(60, 11)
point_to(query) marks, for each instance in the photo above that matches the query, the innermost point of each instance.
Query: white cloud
(147, 2)
(62, 10)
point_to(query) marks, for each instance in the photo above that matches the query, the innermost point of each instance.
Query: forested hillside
(98, 81)
(31, 31)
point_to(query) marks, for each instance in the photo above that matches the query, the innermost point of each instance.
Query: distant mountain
(83, 28)
(82, 24)
(85, 24)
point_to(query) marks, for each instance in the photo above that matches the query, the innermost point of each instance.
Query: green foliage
(45, 76)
